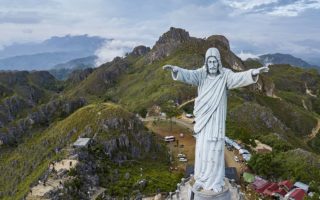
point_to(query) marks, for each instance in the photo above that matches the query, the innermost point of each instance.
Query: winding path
(314, 131)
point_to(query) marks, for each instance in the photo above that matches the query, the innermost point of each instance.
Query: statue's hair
(207, 67)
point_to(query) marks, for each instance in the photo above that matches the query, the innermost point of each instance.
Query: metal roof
(301, 185)
(81, 142)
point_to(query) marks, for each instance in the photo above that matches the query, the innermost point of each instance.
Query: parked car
(189, 115)
(183, 160)
(169, 138)
(181, 155)
(244, 151)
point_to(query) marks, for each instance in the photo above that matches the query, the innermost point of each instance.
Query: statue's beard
(212, 73)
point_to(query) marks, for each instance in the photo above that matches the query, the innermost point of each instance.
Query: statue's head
(213, 61)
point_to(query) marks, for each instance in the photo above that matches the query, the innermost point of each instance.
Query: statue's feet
(197, 186)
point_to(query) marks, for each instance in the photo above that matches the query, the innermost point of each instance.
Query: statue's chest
(211, 85)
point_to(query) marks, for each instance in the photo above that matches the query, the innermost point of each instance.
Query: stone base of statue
(208, 194)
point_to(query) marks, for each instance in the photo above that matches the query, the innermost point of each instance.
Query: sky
(253, 27)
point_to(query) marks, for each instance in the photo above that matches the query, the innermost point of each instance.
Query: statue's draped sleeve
(240, 79)
(187, 76)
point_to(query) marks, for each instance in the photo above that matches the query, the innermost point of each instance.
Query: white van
(170, 138)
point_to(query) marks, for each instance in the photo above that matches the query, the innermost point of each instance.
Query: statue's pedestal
(208, 194)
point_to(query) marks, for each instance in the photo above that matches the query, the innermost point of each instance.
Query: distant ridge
(48, 53)
(279, 58)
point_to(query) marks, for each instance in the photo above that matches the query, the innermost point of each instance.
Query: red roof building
(280, 193)
(259, 185)
(286, 185)
(297, 194)
(269, 191)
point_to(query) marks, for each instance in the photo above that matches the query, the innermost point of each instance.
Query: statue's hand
(260, 70)
(170, 67)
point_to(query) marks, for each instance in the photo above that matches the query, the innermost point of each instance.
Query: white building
(81, 142)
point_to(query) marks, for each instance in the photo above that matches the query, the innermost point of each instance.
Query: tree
(262, 164)
(171, 111)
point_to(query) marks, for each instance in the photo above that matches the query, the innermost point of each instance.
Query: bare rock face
(219, 41)
(132, 141)
(42, 116)
(77, 76)
(167, 43)
(174, 35)
(268, 86)
(305, 154)
(140, 51)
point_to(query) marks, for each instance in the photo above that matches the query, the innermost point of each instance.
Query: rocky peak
(140, 50)
(167, 43)
(174, 35)
(219, 41)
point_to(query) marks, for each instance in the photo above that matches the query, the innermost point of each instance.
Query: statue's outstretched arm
(187, 76)
(260, 70)
(245, 78)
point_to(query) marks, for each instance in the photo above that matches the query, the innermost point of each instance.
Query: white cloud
(294, 9)
(272, 7)
(245, 55)
(112, 49)
(248, 4)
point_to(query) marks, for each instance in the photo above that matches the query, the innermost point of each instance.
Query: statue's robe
(210, 116)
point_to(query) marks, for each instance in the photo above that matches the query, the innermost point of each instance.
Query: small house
(262, 148)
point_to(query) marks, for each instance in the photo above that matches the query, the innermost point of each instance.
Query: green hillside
(26, 164)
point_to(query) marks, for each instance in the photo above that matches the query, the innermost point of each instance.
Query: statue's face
(212, 64)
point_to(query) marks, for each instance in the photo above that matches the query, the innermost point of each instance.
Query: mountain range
(278, 58)
(46, 54)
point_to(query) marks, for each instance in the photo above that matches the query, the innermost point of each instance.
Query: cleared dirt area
(38, 191)
(230, 161)
(184, 125)
(184, 145)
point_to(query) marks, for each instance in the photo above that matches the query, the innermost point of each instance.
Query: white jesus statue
(213, 82)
